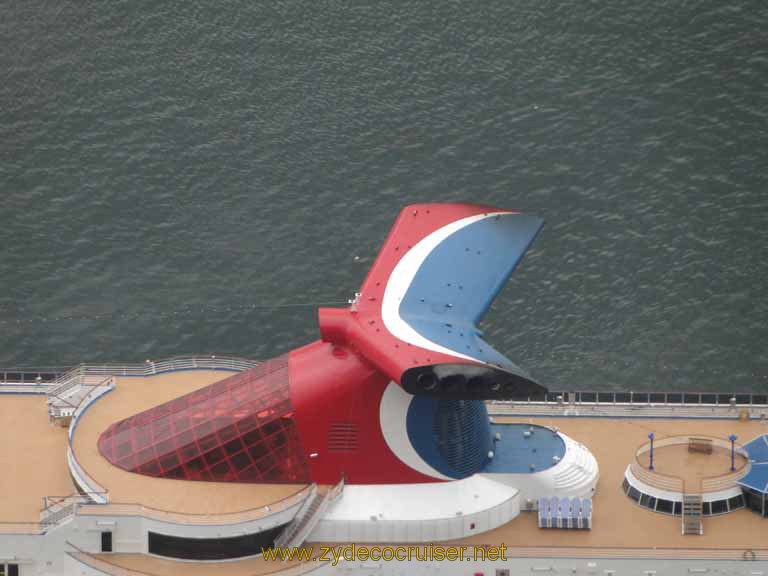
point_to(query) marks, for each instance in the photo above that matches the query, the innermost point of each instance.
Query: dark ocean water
(188, 177)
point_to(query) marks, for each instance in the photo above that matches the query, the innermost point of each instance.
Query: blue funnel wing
(436, 275)
(459, 279)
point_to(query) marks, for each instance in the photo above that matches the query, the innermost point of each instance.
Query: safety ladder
(692, 514)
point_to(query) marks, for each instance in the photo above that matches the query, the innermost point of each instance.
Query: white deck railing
(175, 517)
(632, 398)
(151, 367)
(84, 480)
(94, 394)
(673, 483)
(77, 375)
(86, 483)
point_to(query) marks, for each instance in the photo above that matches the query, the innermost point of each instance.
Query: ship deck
(691, 467)
(33, 458)
(621, 528)
(618, 522)
(133, 395)
(146, 565)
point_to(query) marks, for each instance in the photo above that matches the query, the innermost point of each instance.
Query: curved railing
(56, 509)
(99, 495)
(84, 480)
(656, 479)
(151, 367)
(675, 484)
(86, 483)
(727, 480)
(79, 374)
(94, 394)
(238, 517)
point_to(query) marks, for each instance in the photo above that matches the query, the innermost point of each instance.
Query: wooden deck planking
(33, 457)
(617, 520)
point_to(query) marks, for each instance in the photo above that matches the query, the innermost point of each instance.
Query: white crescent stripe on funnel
(393, 415)
(402, 276)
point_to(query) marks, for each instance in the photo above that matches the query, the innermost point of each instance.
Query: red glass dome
(240, 429)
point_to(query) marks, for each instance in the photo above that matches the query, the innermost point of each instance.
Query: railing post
(650, 437)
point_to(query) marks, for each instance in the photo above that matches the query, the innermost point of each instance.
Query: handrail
(237, 517)
(684, 439)
(53, 500)
(82, 478)
(148, 368)
(65, 382)
(308, 516)
(337, 490)
(692, 487)
(298, 520)
(59, 515)
(175, 363)
(106, 386)
(690, 398)
(42, 375)
(85, 479)
(676, 484)
(727, 480)
(644, 398)
(656, 479)
(55, 510)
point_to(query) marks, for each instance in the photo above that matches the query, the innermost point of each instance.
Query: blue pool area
(522, 445)
(757, 478)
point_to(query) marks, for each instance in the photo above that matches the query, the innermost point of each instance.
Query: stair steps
(692, 505)
(308, 516)
(68, 391)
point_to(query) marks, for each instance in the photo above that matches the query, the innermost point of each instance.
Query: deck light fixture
(650, 437)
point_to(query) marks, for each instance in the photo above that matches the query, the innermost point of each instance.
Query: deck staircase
(69, 389)
(308, 516)
(692, 514)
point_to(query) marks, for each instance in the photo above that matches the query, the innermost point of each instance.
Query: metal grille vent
(462, 434)
(342, 437)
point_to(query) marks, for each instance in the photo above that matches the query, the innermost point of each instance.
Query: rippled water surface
(188, 177)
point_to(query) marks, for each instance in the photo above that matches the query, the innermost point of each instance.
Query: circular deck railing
(672, 483)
